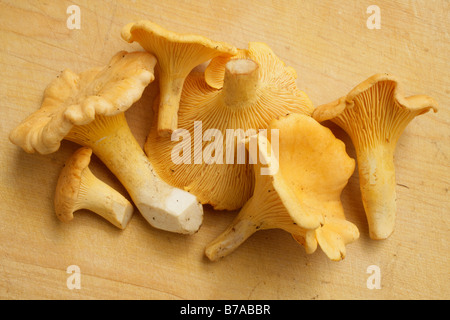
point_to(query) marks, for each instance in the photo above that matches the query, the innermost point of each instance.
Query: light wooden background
(331, 48)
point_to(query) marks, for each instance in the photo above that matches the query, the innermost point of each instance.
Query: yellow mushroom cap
(177, 55)
(375, 110)
(69, 183)
(300, 193)
(374, 114)
(75, 99)
(247, 101)
(313, 170)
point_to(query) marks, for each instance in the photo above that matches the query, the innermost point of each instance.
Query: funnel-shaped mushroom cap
(374, 114)
(212, 122)
(375, 111)
(300, 191)
(177, 55)
(75, 99)
(313, 170)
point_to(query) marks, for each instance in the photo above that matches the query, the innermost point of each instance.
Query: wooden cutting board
(332, 49)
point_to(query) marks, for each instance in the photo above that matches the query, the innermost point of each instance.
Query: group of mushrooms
(238, 89)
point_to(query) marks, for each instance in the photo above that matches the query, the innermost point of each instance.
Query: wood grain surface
(332, 50)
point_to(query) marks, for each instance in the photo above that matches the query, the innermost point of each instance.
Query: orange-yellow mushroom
(177, 55)
(374, 114)
(299, 192)
(88, 108)
(253, 93)
(78, 188)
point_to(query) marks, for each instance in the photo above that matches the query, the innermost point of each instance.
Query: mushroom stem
(236, 233)
(240, 82)
(262, 211)
(98, 197)
(163, 206)
(170, 94)
(377, 183)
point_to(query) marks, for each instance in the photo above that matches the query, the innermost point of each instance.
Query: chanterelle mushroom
(89, 109)
(374, 114)
(177, 55)
(302, 197)
(257, 87)
(78, 188)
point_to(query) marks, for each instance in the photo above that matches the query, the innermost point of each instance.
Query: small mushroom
(78, 188)
(374, 114)
(301, 192)
(250, 97)
(177, 55)
(89, 109)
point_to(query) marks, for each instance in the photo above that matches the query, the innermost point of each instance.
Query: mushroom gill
(374, 114)
(177, 55)
(299, 190)
(212, 122)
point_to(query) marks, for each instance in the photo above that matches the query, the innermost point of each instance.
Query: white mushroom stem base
(98, 197)
(377, 182)
(162, 205)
